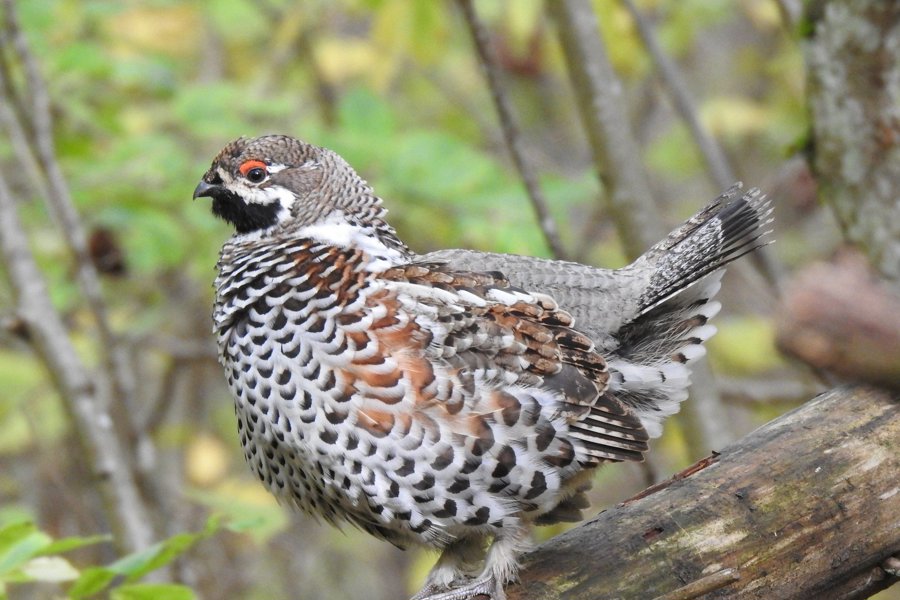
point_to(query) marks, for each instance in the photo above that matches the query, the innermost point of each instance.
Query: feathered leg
(454, 567)
(500, 567)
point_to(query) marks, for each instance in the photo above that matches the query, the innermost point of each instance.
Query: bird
(453, 399)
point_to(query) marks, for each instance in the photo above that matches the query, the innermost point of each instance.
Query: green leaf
(19, 542)
(91, 581)
(14, 532)
(71, 543)
(136, 565)
(153, 591)
(243, 514)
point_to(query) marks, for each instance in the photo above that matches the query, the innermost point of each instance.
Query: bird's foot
(485, 588)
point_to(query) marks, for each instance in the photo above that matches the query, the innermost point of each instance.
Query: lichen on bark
(854, 101)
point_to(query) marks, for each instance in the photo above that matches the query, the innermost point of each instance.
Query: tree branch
(843, 319)
(766, 390)
(791, 12)
(720, 171)
(511, 130)
(807, 506)
(59, 200)
(718, 167)
(617, 158)
(79, 391)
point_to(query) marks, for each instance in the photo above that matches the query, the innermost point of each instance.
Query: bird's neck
(372, 235)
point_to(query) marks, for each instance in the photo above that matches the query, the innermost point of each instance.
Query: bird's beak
(206, 189)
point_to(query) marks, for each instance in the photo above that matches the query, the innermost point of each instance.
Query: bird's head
(277, 180)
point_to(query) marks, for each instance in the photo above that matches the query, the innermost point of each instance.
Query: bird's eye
(254, 170)
(256, 175)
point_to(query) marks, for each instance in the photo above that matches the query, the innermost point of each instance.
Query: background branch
(510, 130)
(841, 318)
(617, 158)
(718, 167)
(41, 152)
(78, 389)
(630, 205)
(720, 170)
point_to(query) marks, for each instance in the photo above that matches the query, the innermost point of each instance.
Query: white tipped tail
(650, 368)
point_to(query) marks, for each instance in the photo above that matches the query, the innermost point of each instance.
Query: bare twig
(14, 115)
(461, 102)
(510, 130)
(35, 90)
(6, 77)
(791, 12)
(80, 392)
(630, 203)
(760, 391)
(156, 413)
(616, 155)
(721, 172)
(719, 169)
(59, 200)
(18, 137)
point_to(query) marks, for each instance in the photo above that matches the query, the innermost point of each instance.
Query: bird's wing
(600, 300)
(470, 345)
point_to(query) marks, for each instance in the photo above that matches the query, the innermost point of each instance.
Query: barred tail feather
(650, 369)
(728, 228)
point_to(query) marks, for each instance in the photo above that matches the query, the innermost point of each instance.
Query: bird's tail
(649, 369)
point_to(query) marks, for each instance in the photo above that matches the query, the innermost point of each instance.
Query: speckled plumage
(449, 398)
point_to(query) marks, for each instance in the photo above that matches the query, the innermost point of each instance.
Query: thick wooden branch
(841, 318)
(807, 506)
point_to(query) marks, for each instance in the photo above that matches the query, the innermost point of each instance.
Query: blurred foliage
(28, 555)
(145, 93)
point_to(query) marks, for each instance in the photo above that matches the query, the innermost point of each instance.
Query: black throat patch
(245, 217)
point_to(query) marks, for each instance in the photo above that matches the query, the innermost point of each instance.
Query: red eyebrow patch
(251, 164)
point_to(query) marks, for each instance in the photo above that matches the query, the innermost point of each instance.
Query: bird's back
(650, 318)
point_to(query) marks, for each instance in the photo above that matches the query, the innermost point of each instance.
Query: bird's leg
(500, 567)
(453, 566)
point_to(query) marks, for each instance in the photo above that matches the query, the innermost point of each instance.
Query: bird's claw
(487, 588)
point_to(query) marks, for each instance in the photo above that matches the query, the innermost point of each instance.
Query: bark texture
(854, 99)
(807, 506)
